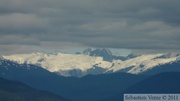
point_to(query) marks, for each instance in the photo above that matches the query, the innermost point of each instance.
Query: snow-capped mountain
(143, 63)
(102, 52)
(106, 54)
(10, 69)
(64, 64)
(93, 62)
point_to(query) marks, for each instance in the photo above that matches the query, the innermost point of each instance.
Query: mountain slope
(168, 67)
(17, 91)
(87, 88)
(143, 63)
(9, 69)
(167, 82)
(96, 87)
(64, 64)
(161, 83)
(79, 65)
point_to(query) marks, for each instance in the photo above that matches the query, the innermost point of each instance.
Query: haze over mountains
(94, 61)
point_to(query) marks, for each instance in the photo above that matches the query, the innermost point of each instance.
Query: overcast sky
(143, 26)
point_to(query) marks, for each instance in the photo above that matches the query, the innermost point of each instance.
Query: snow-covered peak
(141, 63)
(39, 53)
(88, 50)
(81, 64)
(96, 51)
(105, 53)
(60, 61)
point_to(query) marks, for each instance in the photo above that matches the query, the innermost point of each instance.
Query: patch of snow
(141, 63)
(62, 63)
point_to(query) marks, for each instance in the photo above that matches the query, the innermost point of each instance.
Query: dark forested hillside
(88, 88)
(161, 83)
(17, 91)
(167, 82)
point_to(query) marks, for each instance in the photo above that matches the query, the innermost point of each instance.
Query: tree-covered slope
(17, 91)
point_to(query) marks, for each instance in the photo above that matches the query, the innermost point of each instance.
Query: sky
(141, 26)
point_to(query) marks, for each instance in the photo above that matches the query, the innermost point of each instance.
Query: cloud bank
(54, 24)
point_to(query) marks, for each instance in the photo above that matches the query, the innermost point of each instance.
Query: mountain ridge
(92, 62)
(162, 83)
(91, 87)
(17, 91)
(86, 88)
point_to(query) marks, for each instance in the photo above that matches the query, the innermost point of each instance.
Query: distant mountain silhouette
(103, 52)
(17, 91)
(158, 84)
(161, 83)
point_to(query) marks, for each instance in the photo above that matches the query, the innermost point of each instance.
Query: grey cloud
(18, 40)
(16, 49)
(22, 22)
(129, 24)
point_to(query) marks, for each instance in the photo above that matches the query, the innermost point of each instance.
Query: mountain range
(97, 79)
(94, 61)
(87, 88)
